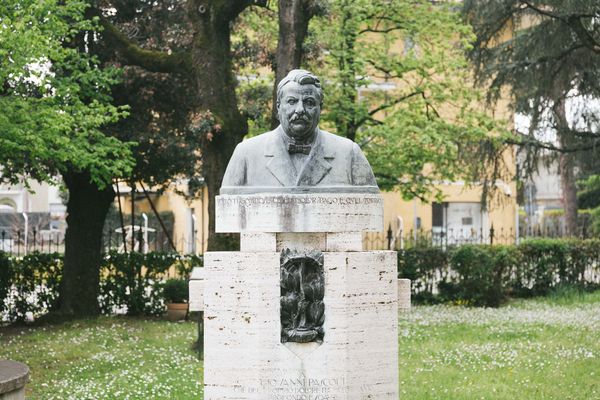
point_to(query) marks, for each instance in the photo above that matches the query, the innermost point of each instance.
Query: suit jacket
(264, 161)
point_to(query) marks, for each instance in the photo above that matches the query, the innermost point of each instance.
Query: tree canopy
(397, 82)
(542, 50)
(56, 101)
(54, 97)
(546, 52)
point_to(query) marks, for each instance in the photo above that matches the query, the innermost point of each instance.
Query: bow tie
(298, 148)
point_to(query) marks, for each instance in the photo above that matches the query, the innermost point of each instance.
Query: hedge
(130, 283)
(486, 275)
(480, 275)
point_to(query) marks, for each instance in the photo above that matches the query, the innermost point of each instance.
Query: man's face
(299, 109)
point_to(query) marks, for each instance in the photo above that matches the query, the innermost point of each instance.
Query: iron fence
(18, 243)
(45, 241)
(401, 239)
(21, 243)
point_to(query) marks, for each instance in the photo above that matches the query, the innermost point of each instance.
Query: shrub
(128, 282)
(134, 280)
(549, 262)
(176, 291)
(584, 257)
(5, 280)
(543, 260)
(482, 273)
(486, 275)
(424, 266)
(30, 284)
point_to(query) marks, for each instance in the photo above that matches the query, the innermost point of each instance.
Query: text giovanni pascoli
(299, 388)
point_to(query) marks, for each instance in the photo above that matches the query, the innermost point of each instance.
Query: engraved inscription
(304, 388)
(299, 213)
(343, 200)
(302, 289)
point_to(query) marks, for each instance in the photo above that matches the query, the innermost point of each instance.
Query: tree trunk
(215, 84)
(569, 193)
(566, 169)
(86, 211)
(209, 65)
(346, 123)
(294, 16)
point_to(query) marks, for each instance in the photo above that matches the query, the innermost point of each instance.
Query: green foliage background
(397, 81)
(131, 283)
(486, 275)
(55, 96)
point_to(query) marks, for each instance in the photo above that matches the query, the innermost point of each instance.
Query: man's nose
(299, 109)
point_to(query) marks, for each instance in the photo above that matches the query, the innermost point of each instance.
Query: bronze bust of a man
(297, 156)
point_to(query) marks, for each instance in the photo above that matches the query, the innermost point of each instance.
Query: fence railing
(19, 244)
(44, 241)
(401, 239)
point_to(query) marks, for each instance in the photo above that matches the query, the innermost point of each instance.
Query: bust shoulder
(337, 144)
(256, 143)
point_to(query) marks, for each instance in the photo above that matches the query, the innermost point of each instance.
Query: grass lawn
(108, 358)
(536, 349)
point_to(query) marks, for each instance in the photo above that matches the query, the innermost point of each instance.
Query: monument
(301, 312)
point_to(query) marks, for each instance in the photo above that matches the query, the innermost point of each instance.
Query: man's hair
(302, 77)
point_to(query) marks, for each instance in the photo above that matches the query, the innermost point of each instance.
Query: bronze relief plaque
(302, 291)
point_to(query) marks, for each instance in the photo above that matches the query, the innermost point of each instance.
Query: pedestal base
(244, 356)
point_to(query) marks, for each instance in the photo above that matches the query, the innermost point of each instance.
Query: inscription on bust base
(324, 212)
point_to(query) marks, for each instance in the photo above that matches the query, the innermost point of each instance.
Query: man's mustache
(301, 117)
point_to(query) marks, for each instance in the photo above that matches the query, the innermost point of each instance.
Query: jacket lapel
(278, 159)
(317, 165)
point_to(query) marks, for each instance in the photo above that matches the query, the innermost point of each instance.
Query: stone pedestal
(404, 294)
(196, 286)
(246, 354)
(13, 378)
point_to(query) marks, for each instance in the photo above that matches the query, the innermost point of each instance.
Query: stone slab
(344, 241)
(196, 288)
(244, 356)
(197, 273)
(404, 294)
(301, 241)
(13, 377)
(18, 394)
(258, 241)
(323, 212)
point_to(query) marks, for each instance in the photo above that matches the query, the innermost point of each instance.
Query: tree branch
(484, 38)
(541, 11)
(527, 140)
(545, 59)
(392, 103)
(429, 106)
(234, 8)
(386, 71)
(575, 22)
(151, 60)
(376, 30)
(586, 134)
(372, 121)
(584, 35)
